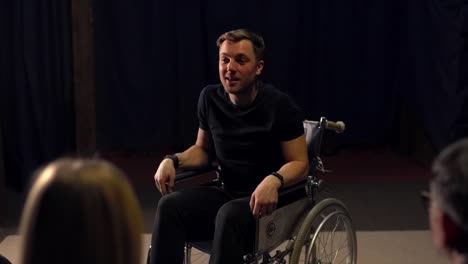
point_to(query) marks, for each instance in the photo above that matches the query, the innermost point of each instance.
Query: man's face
(238, 66)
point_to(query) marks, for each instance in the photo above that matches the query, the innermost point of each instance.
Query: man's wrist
(279, 177)
(174, 159)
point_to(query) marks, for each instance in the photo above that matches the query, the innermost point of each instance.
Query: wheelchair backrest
(313, 131)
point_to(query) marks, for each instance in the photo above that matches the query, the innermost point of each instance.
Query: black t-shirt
(247, 139)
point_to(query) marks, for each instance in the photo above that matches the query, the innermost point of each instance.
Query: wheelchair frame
(303, 223)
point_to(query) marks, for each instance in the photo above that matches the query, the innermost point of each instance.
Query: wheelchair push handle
(338, 126)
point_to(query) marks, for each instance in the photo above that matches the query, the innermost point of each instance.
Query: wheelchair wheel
(326, 236)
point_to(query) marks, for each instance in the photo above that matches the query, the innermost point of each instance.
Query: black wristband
(280, 177)
(174, 159)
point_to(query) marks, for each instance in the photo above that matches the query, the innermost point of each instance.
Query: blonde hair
(81, 211)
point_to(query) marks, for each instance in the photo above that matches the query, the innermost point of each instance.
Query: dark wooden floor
(380, 188)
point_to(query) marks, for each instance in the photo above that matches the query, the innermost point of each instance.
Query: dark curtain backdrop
(461, 123)
(357, 61)
(37, 118)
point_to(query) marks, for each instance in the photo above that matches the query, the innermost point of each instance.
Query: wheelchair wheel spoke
(332, 245)
(323, 251)
(330, 234)
(343, 245)
(337, 253)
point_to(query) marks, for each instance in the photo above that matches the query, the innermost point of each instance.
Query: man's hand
(265, 197)
(165, 176)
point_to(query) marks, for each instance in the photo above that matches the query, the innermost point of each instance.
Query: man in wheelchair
(255, 134)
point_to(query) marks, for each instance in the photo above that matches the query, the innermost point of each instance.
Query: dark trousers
(202, 213)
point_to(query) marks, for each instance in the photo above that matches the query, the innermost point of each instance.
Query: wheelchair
(301, 229)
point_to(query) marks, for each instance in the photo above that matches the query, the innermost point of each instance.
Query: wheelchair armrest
(292, 193)
(186, 174)
(196, 176)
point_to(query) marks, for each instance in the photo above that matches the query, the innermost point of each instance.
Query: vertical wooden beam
(3, 196)
(83, 74)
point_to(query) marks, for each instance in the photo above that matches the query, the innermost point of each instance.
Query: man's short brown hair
(241, 34)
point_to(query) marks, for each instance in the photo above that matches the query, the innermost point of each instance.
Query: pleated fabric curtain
(36, 89)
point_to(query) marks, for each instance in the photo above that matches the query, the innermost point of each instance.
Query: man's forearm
(294, 171)
(194, 157)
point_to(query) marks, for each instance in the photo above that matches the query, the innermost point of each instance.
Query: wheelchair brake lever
(250, 258)
(318, 185)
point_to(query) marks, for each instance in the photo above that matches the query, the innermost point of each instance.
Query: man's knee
(168, 204)
(235, 213)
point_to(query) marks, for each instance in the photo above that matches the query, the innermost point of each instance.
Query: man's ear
(260, 65)
(451, 232)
